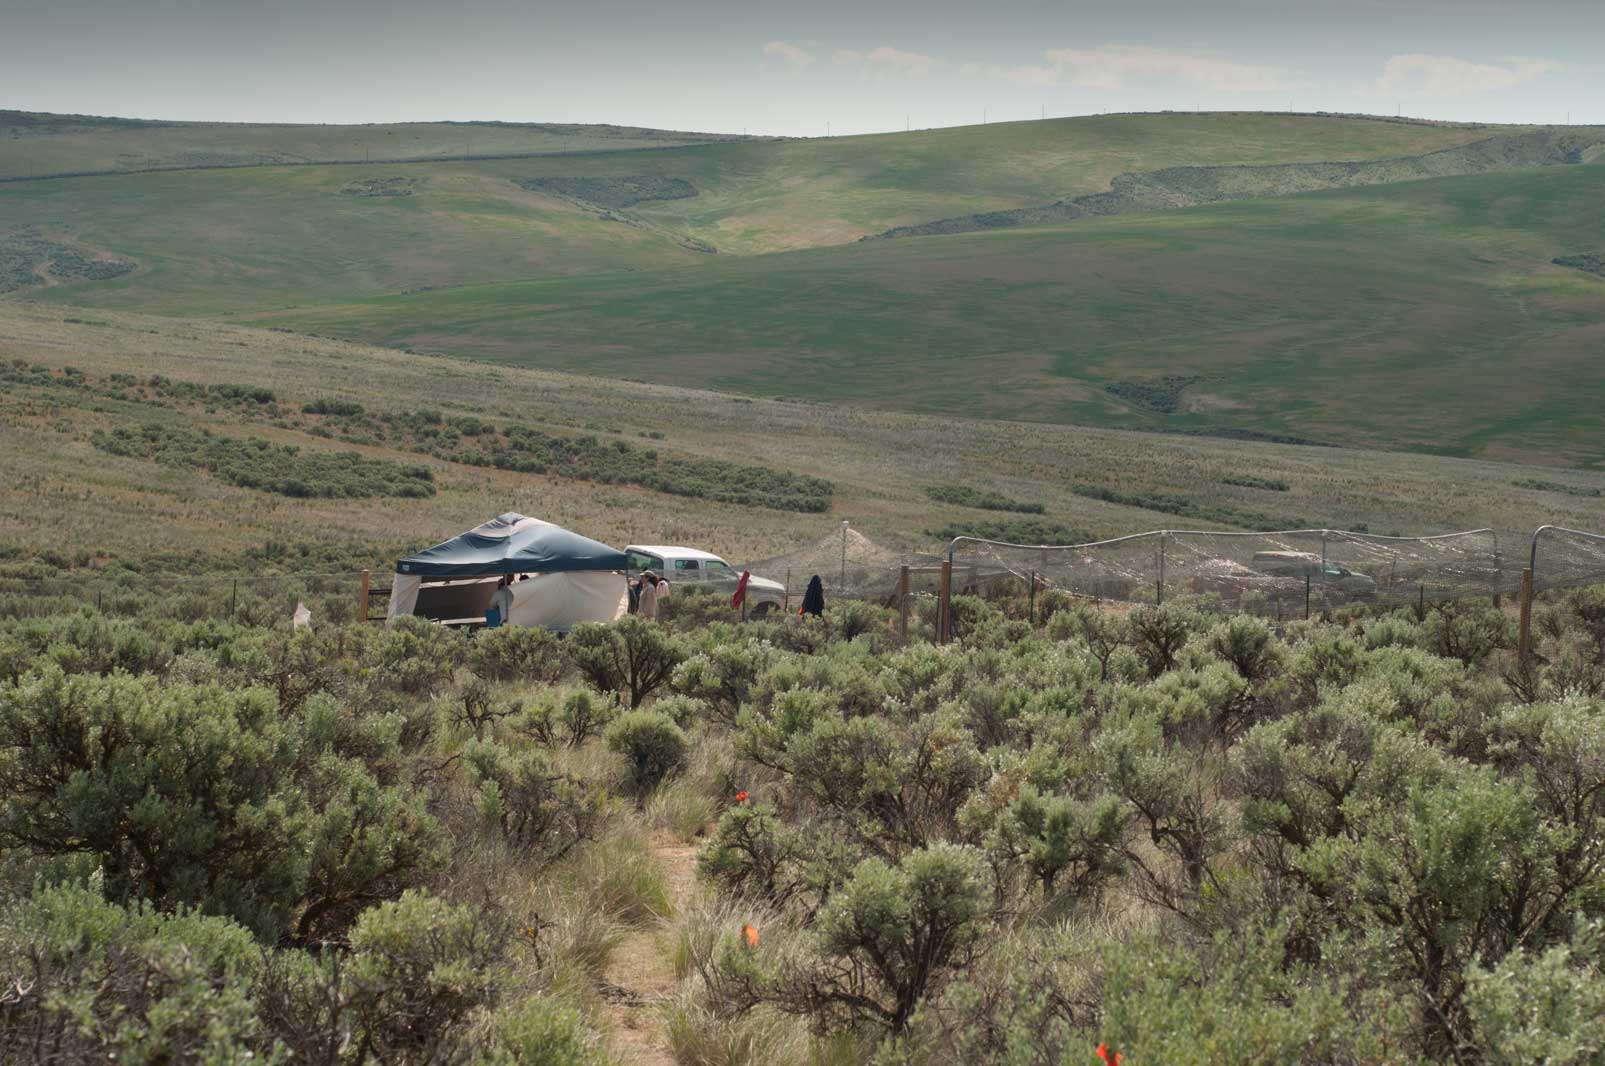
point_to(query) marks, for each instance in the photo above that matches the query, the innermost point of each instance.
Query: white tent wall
(403, 596)
(562, 600)
(556, 601)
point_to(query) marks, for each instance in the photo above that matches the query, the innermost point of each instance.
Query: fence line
(1283, 573)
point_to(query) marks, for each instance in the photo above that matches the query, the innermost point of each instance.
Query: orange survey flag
(1110, 1058)
(749, 936)
(741, 589)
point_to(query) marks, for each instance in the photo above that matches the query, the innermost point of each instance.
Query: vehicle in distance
(700, 569)
(1320, 571)
(1281, 574)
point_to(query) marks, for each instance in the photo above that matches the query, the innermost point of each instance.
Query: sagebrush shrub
(651, 743)
(631, 657)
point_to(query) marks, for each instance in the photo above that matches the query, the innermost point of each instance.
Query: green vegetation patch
(28, 259)
(476, 442)
(1165, 503)
(1589, 262)
(1249, 481)
(1554, 486)
(1014, 531)
(380, 187)
(964, 496)
(258, 464)
(1162, 394)
(620, 192)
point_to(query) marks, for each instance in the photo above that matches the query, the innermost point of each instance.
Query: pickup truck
(1282, 573)
(689, 567)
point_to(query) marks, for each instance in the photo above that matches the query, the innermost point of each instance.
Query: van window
(638, 561)
(687, 564)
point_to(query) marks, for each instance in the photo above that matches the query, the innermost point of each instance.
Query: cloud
(1021, 75)
(797, 59)
(1117, 66)
(1418, 74)
(888, 61)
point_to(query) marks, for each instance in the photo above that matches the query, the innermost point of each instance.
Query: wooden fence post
(362, 599)
(944, 609)
(1524, 643)
(902, 603)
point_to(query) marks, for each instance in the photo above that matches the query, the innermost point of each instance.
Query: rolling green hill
(1427, 316)
(739, 266)
(36, 145)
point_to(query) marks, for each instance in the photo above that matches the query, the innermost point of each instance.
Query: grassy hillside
(212, 241)
(60, 494)
(1426, 315)
(227, 240)
(1257, 316)
(38, 145)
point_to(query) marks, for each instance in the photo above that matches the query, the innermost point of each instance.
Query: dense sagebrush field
(733, 265)
(1186, 837)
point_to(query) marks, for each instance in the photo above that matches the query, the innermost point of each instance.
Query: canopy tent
(559, 577)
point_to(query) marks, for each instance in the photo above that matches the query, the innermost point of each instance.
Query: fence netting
(850, 565)
(1566, 558)
(1282, 574)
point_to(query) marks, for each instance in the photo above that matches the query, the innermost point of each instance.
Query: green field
(1425, 316)
(1259, 316)
(37, 145)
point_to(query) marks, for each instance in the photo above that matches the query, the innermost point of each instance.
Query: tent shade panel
(513, 544)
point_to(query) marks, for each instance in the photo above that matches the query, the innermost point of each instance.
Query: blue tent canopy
(513, 544)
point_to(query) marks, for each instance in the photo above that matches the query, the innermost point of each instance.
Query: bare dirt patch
(640, 975)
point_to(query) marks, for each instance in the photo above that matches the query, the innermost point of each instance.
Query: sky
(798, 68)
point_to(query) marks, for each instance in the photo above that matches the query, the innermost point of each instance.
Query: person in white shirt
(502, 601)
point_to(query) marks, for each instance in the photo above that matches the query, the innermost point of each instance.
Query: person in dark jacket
(814, 599)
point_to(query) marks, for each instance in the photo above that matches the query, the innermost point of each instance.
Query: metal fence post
(902, 603)
(1159, 586)
(362, 599)
(843, 589)
(233, 595)
(1524, 643)
(1306, 597)
(944, 604)
(1031, 599)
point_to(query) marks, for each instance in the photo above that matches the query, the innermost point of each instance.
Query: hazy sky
(793, 67)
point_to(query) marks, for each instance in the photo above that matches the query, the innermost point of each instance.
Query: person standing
(814, 599)
(649, 595)
(501, 602)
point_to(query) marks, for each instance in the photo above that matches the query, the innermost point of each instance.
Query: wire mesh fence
(850, 565)
(1563, 558)
(1284, 574)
